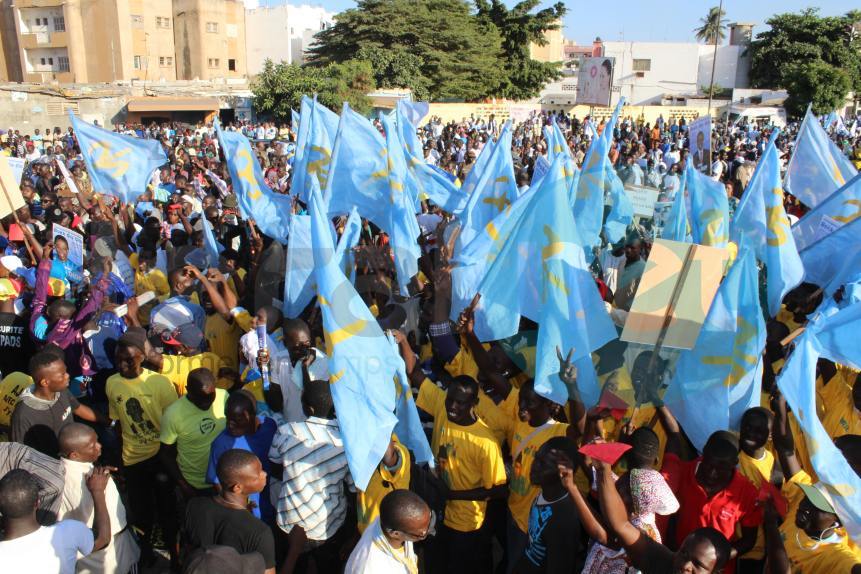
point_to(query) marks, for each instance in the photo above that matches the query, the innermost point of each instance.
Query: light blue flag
(119, 165)
(213, 247)
(299, 284)
(314, 147)
(414, 111)
(470, 182)
(560, 144)
(724, 369)
(269, 210)
(709, 208)
(425, 181)
(409, 427)
(494, 191)
(676, 226)
(587, 197)
(797, 382)
(823, 259)
(817, 167)
(621, 209)
(360, 364)
(554, 288)
(294, 121)
(364, 175)
(842, 207)
(761, 221)
(838, 336)
(402, 218)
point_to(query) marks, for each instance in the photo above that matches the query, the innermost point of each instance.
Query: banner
(594, 81)
(16, 164)
(680, 281)
(700, 142)
(12, 188)
(75, 241)
(643, 199)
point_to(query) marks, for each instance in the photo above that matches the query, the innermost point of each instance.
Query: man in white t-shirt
(386, 546)
(28, 547)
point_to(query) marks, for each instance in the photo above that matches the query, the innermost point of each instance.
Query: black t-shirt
(37, 423)
(16, 345)
(208, 523)
(554, 538)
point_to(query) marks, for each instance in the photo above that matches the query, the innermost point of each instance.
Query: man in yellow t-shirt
(188, 428)
(393, 473)
(148, 278)
(756, 463)
(226, 322)
(137, 399)
(470, 462)
(186, 341)
(841, 398)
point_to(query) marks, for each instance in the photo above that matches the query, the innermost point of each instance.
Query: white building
(649, 73)
(282, 33)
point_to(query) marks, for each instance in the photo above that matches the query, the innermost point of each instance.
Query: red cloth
(736, 504)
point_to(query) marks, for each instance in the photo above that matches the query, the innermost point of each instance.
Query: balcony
(44, 40)
(38, 3)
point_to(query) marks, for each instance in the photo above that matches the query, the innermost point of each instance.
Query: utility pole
(712, 82)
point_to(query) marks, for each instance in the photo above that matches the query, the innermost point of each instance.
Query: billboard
(594, 81)
(700, 142)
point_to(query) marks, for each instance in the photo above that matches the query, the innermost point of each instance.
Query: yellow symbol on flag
(554, 247)
(740, 360)
(852, 216)
(320, 166)
(835, 171)
(245, 171)
(109, 160)
(776, 220)
(715, 231)
(335, 377)
(499, 201)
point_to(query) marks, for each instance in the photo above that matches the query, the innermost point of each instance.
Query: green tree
(817, 83)
(280, 87)
(437, 48)
(519, 27)
(801, 47)
(712, 29)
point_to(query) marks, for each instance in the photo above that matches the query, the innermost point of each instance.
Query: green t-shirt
(193, 430)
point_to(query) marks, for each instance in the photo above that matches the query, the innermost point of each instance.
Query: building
(210, 39)
(655, 73)
(10, 59)
(71, 41)
(552, 50)
(298, 24)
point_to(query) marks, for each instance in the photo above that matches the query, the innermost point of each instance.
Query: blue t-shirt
(259, 444)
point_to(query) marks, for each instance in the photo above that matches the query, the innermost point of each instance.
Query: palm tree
(712, 29)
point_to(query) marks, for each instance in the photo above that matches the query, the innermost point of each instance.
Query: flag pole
(712, 82)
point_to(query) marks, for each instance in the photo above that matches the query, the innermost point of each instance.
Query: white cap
(12, 262)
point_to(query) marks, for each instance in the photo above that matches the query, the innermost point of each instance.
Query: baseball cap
(818, 496)
(188, 334)
(12, 263)
(224, 560)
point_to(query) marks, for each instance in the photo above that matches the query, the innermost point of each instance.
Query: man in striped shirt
(312, 504)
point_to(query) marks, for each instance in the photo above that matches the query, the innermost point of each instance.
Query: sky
(646, 20)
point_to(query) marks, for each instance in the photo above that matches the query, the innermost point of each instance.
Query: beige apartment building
(90, 41)
(210, 39)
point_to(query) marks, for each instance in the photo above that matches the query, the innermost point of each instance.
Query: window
(63, 63)
(214, 62)
(165, 61)
(51, 61)
(231, 64)
(137, 21)
(162, 22)
(212, 27)
(642, 65)
(137, 64)
(42, 61)
(59, 24)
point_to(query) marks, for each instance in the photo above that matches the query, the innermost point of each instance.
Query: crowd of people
(154, 404)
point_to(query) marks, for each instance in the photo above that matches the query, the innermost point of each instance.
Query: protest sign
(675, 293)
(539, 170)
(75, 241)
(10, 198)
(594, 81)
(660, 216)
(643, 199)
(70, 183)
(700, 142)
(827, 226)
(16, 164)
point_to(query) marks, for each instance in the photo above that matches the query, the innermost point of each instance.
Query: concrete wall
(673, 69)
(261, 26)
(729, 61)
(10, 59)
